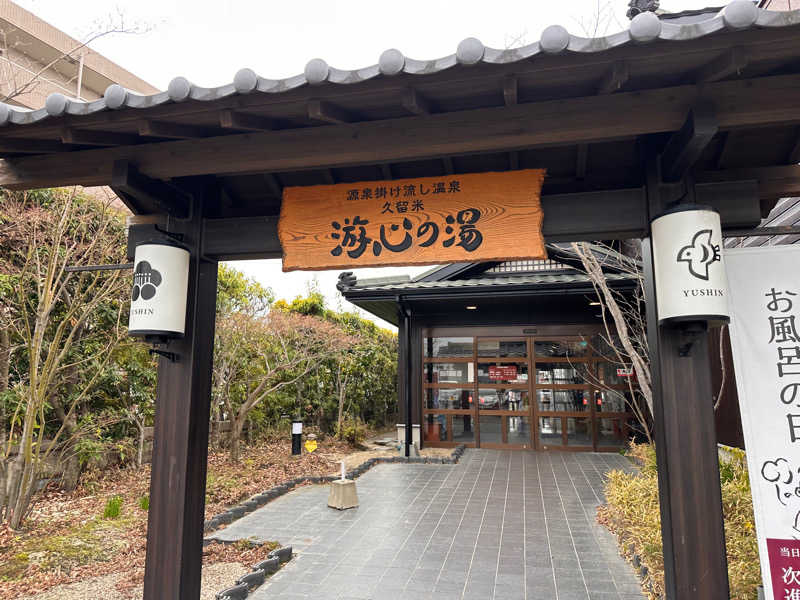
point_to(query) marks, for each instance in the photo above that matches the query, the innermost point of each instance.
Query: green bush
(144, 502)
(113, 507)
(632, 512)
(353, 431)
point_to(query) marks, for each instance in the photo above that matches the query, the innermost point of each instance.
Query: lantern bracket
(170, 356)
(689, 334)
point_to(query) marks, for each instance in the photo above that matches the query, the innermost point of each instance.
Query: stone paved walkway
(499, 525)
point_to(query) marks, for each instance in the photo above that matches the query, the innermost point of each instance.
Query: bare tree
(260, 355)
(22, 75)
(624, 323)
(53, 312)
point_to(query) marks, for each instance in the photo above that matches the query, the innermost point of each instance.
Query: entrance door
(503, 392)
(545, 392)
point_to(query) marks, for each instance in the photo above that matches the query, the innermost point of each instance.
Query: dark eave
(534, 107)
(382, 300)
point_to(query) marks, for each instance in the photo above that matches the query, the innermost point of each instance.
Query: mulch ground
(66, 538)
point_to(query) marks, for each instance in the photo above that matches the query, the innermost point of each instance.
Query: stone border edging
(246, 506)
(258, 575)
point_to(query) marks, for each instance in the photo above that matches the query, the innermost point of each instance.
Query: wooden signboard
(422, 221)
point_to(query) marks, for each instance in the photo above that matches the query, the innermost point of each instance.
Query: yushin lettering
(398, 237)
(703, 292)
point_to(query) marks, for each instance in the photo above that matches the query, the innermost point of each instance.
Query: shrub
(113, 507)
(144, 502)
(632, 512)
(353, 431)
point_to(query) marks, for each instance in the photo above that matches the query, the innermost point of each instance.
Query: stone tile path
(499, 525)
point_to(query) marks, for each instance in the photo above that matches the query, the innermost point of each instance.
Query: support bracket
(148, 194)
(687, 144)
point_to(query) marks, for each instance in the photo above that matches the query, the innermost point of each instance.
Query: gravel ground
(356, 458)
(215, 578)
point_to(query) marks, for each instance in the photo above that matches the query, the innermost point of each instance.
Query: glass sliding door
(448, 391)
(503, 392)
(564, 400)
(543, 392)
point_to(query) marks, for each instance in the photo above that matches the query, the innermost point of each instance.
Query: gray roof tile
(644, 28)
(536, 279)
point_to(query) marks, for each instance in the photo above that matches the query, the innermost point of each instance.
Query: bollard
(297, 437)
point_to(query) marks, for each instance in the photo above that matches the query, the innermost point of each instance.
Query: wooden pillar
(404, 373)
(695, 560)
(180, 444)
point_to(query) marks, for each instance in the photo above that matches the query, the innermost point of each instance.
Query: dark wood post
(180, 443)
(405, 371)
(692, 529)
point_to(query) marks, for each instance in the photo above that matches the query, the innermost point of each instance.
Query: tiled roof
(543, 279)
(644, 28)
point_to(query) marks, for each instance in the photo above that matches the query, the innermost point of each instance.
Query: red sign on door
(503, 372)
(784, 566)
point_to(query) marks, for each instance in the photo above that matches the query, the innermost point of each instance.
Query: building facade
(506, 355)
(37, 59)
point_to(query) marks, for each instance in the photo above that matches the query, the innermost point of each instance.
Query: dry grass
(66, 539)
(632, 512)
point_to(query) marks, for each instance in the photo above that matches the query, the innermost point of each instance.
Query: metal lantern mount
(159, 293)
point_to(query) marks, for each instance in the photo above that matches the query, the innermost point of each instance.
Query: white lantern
(690, 279)
(160, 285)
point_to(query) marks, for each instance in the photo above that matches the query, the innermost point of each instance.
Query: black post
(297, 436)
(692, 529)
(180, 442)
(405, 317)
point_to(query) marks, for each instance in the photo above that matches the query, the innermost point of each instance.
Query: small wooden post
(180, 443)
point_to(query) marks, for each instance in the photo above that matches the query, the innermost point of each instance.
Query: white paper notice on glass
(765, 317)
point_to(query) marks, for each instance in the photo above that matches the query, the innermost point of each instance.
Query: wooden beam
(725, 148)
(687, 144)
(513, 161)
(328, 175)
(773, 182)
(230, 119)
(180, 452)
(510, 90)
(448, 165)
(321, 110)
(614, 79)
(155, 195)
(179, 131)
(416, 103)
(794, 154)
(729, 63)
(386, 171)
(529, 125)
(273, 184)
(89, 137)
(241, 238)
(610, 214)
(30, 146)
(581, 161)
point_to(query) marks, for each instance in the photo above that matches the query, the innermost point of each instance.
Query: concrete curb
(247, 506)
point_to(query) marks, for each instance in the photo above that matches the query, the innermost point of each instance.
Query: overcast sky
(207, 41)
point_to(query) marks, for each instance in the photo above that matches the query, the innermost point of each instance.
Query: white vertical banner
(764, 299)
